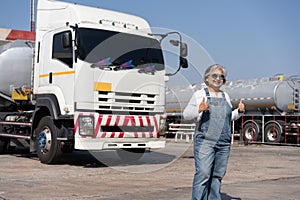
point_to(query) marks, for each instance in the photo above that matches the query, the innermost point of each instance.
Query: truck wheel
(251, 132)
(130, 155)
(273, 132)
(4, 145)
(49, 149)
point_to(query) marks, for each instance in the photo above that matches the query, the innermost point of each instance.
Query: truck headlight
(86, 125)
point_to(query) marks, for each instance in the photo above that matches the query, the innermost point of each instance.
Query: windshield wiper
(127, 65)
(108, 65)
(104, 64)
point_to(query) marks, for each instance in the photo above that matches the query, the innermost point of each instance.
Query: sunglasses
(220, 76)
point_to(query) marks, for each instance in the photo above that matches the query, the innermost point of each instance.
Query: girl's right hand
(203, 106)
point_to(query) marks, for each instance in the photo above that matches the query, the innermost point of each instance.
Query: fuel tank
(260, 96)
(269, 94)
(16, 63)
(178, 97)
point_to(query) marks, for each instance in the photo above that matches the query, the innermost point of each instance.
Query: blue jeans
(211, 160)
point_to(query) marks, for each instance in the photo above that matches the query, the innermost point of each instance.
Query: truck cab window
(96, 45)
(60, 50)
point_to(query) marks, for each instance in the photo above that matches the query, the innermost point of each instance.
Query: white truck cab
(98, 82)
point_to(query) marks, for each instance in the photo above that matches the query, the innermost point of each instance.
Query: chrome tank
(262, 95)
(16, 59)
(178, 97)
(271, 94)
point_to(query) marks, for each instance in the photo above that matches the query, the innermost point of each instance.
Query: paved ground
(255, 172)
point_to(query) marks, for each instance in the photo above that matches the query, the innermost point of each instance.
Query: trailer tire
(251, 131)
(49, 148)
(131, 155)
(4, 145)
(273, 132)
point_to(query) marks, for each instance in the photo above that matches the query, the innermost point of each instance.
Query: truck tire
(251, 131)
(49, 148)
(130, 155)
(4, 145)
(274, 132)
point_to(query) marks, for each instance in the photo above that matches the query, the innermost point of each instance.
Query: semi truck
(86, 79)
(272, 108)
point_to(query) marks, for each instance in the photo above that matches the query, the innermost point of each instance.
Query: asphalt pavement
(255, 172)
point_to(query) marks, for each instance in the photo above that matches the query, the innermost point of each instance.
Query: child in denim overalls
(212, 136)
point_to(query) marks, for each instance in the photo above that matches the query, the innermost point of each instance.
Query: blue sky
(251, 38)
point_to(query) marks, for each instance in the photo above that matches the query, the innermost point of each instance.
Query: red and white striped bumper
(120, 131)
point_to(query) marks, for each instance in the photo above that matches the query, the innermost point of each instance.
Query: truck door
(56, 73)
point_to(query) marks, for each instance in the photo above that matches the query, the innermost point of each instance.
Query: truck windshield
(120, 49)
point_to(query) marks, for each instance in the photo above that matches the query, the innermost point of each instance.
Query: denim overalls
(211, 148)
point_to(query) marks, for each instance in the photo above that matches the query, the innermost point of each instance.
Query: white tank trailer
(266, 95)
(272, 106)
(16, 58)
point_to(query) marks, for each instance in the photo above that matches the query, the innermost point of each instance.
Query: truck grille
(122, 101)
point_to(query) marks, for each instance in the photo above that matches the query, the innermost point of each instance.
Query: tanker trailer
(16, 58)
(272, 108)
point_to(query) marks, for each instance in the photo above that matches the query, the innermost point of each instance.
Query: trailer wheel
(49, 149)
(130, 155)
(251, 131)
(273, 132)
(4, 145)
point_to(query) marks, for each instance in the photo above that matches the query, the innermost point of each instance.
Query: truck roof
(56, 14)
(11, 34)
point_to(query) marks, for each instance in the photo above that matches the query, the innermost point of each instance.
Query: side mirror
(67, 40)
(183, 49)
(183, 62)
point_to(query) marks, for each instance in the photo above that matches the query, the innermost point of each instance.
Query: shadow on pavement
(224, 196)
(109, 158)
(96, 159)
